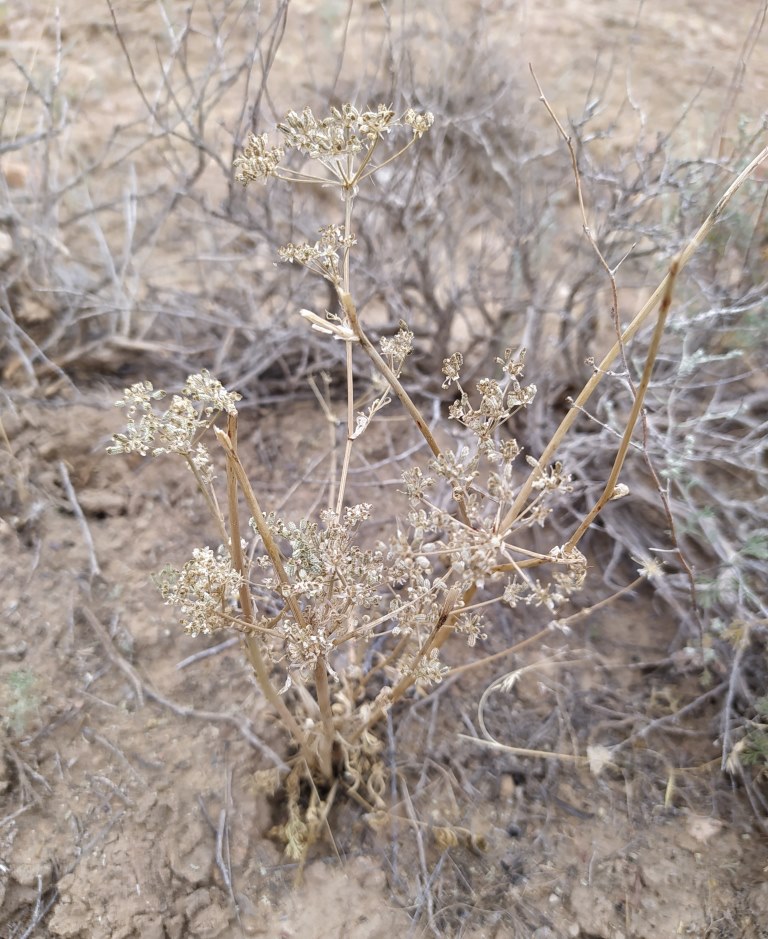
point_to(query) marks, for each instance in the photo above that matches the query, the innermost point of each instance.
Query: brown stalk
(611, 273)
(351, 313)
(325, 755)
(237, 473)
(626, 439)
(236, 467)
(238, 562)
(442, 629)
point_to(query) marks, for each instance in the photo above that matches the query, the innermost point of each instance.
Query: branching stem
(394, 382)
(613, 476)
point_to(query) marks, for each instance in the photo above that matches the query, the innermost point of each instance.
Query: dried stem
(585, 394)
(348, 201)
(329, 731)
(611, 274)
(238, 562)
(260, 522)
(394, 382)
(613, 476)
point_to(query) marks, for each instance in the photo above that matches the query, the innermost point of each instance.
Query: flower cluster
(554, 479)
(142, 422)
(345, 130)
(210, 392)
(336, 582)
(416, 485)
(323, 256)
(498, 403)
(178, 428)
(258, 160)
(397, 348)
(564, 584)
(466, 551)
(419, 122)
(339, 141)
(204, 590)
(426, 670)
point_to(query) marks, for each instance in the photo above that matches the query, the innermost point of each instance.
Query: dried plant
(319, 592)
(340, 625)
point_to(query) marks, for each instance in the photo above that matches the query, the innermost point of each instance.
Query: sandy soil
(130, 807)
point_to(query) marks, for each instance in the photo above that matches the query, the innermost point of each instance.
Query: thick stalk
(325, 754)
(261, 524)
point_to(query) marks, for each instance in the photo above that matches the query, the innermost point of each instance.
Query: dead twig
(92, 737)
(77, 511)
(425, 892)
(207, 653)
(673, 718)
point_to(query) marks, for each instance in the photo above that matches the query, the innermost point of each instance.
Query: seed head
(257, 161)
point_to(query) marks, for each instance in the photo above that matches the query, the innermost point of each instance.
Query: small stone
(191, 858)
(149, 927)
(32, 872)
(174, 927)
(101, 502)
(196, 901)
(513, 866)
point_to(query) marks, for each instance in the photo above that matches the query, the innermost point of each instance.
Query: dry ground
(128, 804)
